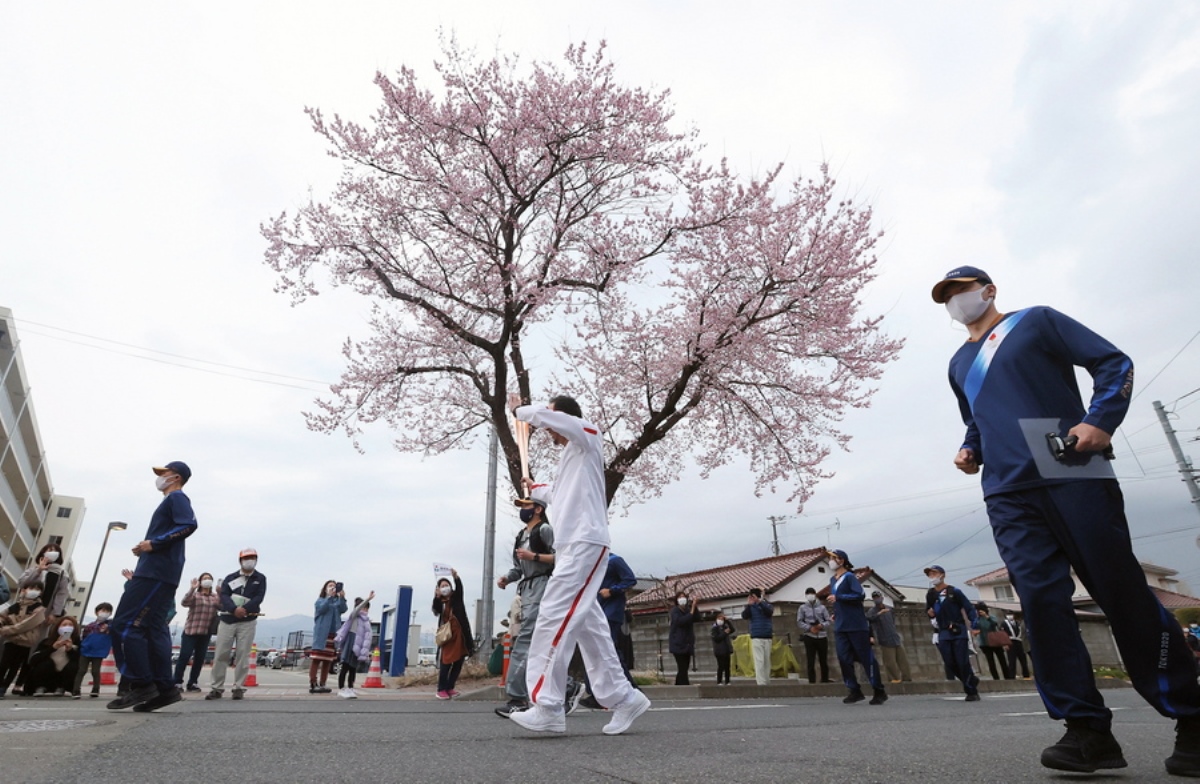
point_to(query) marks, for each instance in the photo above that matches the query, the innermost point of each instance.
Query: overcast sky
(1052, 144)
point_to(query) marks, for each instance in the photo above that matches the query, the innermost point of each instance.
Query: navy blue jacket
(254, 588)
(1032, 376)
(848, 613)
(759, 615)
(948, 606)
(172, 522)
(618, 578)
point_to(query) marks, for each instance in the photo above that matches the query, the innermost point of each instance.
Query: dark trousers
(86, 663)
(194, 648)
(347, 671)
(448, 675)
(723, 667)
(1041, 534)
(856, 647)
(816, 649)
(682, 660)
(1016, 653)
(623, 644)
(140, 637)
(12, 661)
(992, 655)
(42, 675)
(956, 656)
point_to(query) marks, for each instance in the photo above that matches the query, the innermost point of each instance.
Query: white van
(426, 657)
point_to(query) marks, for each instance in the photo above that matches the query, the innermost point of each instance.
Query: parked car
(426, 657)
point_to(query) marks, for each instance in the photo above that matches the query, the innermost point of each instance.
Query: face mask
(812, 597)
(878, 601)
(834, 565)
(967, 307)
(51, 557)
(102, 616)
(32, 594)
(445, 590)
(206, 583)
(681, 601)
(526, 515)
(934, 582)
(249, 564)
(720, 622)
(163, 482)
(66, 631)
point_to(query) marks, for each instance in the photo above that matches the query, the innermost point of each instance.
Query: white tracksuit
(570, 614)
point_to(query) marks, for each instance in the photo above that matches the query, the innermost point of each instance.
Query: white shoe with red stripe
(626, 712)
(541, 719)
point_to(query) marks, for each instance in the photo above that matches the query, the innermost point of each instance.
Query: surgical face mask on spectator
(445, 590)
(163, 482)
(934, 582)
(681, 601)
(103, 616)
(32, 594)
(206, 583)
(66, 631)
(51, 556)
(248, 565)
(834, 565)
(966, 307)
(877, 599)
(812, 597)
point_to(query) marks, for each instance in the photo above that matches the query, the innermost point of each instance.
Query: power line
(1164, 367)
(321, 384)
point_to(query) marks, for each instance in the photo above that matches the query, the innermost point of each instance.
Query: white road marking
(719, 707)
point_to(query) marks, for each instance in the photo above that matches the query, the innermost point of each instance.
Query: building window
(64, 511)
(55, 540)
(1005, 593)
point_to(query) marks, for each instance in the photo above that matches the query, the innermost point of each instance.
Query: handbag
(997, 639)
(444, 633)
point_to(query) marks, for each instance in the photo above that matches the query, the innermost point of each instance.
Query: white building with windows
(31, 514)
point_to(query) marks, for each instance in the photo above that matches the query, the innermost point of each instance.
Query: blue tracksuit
(955, 616)
(852, 631)
(1047, 521)
(140, 637)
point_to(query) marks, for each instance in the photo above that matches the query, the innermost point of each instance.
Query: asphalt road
(279, 733)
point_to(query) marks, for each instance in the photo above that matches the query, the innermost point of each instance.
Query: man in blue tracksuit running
(851, 629)
(1055, 505)
(140, 638)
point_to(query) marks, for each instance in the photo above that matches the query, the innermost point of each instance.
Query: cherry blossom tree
(543, 229)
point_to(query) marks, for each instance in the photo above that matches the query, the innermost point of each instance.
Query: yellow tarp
(783, 660)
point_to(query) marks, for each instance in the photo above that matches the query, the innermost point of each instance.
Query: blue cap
(844, 558)
(934, 568)
(958, 275)
(177, 466)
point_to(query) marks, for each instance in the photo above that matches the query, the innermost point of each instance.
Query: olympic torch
(521, 434)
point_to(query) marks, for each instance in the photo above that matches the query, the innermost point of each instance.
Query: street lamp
(113, 526)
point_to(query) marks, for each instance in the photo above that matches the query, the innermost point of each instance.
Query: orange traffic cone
(507, 654)
(252, 676)
(108, 671)
(374, 675)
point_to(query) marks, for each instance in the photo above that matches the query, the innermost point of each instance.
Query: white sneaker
(541, 719)
(343, 694)
(626, 712)
(351, 694)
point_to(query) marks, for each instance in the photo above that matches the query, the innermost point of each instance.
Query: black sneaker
(215, 694)
(854, 696)
(1185, 760)
(973, 697)
(237, 693)
(1084, 750)
(161, 701)
(193, 687)
(879, 698)
(590, 703)
(133, 697)
(512, 706)
(573, 695)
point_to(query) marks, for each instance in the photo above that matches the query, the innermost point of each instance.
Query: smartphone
(337, 588)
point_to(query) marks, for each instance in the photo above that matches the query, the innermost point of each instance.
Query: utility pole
(776, 521)
(486, 615)
(1185, 465)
